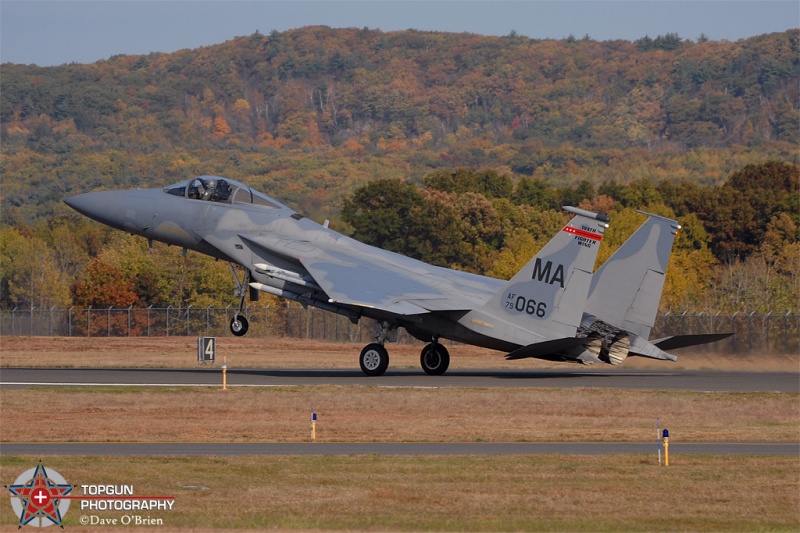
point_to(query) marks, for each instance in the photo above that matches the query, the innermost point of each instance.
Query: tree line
(311, 114)
(319, 85)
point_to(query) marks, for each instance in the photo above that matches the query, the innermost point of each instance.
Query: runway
(786, 382)
(394, 449)
(694, 380)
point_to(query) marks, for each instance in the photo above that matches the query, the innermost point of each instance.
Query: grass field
(376, 414)
(474, 493)
(505, 493)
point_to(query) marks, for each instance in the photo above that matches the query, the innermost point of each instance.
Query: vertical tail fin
(626, 290)
(548, 295)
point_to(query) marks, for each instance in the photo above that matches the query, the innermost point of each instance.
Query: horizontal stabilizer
(682, 341)
(540, 349)
(644, 348)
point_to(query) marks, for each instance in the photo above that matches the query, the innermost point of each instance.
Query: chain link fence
(278, 321)
(753, 333)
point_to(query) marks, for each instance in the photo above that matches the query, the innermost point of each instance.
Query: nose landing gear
(239, 324)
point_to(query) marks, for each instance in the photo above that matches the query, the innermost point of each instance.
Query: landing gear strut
(374, 359)
(239, 324)
(434, 359)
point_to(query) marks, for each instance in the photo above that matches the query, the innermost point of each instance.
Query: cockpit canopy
(222, 190)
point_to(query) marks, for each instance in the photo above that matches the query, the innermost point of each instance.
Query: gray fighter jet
(554, 308)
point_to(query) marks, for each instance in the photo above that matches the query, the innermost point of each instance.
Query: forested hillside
(486, 134)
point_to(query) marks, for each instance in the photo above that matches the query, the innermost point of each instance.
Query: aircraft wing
(370, 277)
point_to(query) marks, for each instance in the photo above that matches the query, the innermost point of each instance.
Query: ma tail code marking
(547, 274)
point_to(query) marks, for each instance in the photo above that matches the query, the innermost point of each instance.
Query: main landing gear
(434, 359)
(374, 358)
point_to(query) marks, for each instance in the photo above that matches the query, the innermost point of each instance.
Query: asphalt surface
(390, 448)
(636, 379)
(615, 378)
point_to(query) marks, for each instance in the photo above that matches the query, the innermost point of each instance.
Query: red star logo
(40, 497)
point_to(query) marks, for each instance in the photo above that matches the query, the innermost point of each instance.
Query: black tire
(374, 360)
(435, 359)
(239, 325)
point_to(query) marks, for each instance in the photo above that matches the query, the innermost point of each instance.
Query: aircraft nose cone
(105, 206)
(81, 203)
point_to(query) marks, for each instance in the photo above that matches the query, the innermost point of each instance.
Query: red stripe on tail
(583, 233)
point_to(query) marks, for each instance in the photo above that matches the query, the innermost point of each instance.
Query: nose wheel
(239, 325)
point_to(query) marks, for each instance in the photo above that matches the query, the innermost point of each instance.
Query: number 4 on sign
(206, 349)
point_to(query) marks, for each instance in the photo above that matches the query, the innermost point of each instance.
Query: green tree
(487, 182)
(746, 204)
(573, 196)
(536, 193)
(381, 214)
(439, 237)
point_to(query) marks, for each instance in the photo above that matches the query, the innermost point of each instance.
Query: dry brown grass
(367, 414)
(498, 493)
(280, 352)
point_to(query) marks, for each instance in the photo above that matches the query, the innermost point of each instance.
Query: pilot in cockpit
(210, 189)
(210, 186)
(196, 189)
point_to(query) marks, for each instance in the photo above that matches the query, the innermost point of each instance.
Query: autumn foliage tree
(746, 204)
(102, 286)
